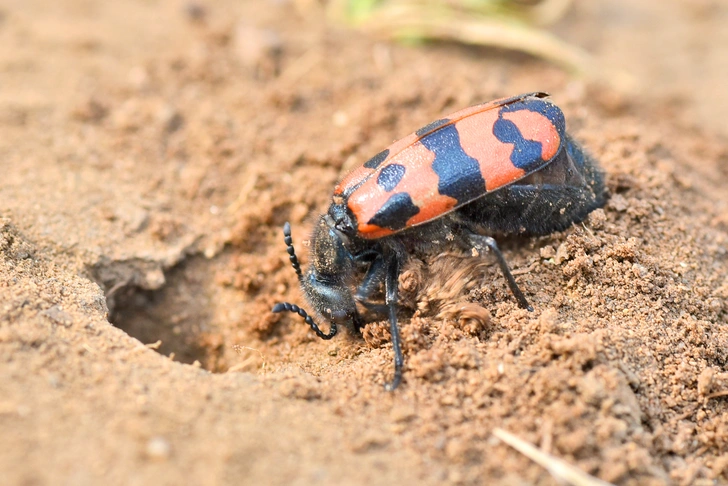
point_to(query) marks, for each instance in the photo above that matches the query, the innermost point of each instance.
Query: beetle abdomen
(551, 199)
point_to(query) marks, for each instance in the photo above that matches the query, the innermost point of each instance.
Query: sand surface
(150, 154)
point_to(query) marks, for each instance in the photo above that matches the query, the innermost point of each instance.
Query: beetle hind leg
(481, 242)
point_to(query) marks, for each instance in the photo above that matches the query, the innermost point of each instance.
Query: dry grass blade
(511, 25)
(559, 469)
(405, 23)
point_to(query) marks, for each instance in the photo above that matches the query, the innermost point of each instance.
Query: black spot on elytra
(526, 153)
(459, 174)
(549, 110)
(432, 126)
(390, 176)
(375, 161)
(395, 213)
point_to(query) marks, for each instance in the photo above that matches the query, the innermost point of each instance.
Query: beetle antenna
(291, 251)
(285, 306)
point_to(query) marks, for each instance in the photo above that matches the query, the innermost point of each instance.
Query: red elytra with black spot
(451, 162)
(505, 167)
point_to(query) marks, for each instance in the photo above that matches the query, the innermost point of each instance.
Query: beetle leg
(371, 281)
(370, 285)
(375, 309)
(391, 284)
(480, 241)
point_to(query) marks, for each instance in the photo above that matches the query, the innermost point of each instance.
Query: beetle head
(326, 281)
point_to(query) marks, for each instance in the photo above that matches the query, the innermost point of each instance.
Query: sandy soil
(151, 152)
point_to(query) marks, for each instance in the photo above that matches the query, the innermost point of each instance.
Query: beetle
(500, 168)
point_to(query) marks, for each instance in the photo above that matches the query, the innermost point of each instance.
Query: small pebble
(158, 448)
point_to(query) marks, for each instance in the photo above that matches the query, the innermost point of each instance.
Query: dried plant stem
(559, 469)
(400, 21)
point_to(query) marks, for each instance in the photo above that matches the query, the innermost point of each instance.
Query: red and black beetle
(504, 167)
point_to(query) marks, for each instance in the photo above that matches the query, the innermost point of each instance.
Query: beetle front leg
(480, 241)
(370, 285)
